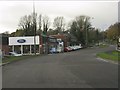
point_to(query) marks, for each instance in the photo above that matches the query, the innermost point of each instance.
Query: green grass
(8, 59)
(113, 55)
(103, 46)
(115, 52)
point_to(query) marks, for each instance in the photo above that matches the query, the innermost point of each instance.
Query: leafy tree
(80, 27)
(113, 32)
(52, 32)
(19, 32)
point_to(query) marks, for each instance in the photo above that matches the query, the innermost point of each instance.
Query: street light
(86, 30)
(34, 27)
(86, 34)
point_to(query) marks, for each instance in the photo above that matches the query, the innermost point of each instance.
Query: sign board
(26, 40)
(52, 40)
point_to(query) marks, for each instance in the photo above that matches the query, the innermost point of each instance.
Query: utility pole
(86, 33)
(34, 27)
(40, 32)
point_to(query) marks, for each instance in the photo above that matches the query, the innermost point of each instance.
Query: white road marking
(102, 59)
(107, 60)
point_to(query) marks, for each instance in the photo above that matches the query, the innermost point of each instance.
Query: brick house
(63, 37)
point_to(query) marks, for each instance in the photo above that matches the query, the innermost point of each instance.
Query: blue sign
(21, 41)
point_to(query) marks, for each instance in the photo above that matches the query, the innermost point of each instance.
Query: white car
(14, 54)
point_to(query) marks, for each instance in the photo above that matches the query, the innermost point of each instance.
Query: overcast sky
(104, 13)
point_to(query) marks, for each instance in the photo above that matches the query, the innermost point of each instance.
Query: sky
(103, 13)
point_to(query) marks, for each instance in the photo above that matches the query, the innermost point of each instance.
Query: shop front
(24, 45)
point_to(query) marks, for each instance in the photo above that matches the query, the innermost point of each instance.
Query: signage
(52, 40)
(21, 41)
(26, 40)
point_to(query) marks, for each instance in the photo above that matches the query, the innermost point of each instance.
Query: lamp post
(86, 33)
(34, 27)
(86, 30)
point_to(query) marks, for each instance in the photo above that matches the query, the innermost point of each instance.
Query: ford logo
(21, 41)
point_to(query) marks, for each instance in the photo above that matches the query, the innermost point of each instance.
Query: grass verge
(9, 59)
(113, 55)
(103, 46)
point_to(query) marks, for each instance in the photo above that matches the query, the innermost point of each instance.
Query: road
(78, 69)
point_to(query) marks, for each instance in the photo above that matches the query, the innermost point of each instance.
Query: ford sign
(21, 41)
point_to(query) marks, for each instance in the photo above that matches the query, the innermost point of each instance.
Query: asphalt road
(78, 69)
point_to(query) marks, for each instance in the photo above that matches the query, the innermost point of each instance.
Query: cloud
(104, 13)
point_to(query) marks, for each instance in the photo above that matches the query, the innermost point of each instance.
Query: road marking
(107, 61)
(102, 59)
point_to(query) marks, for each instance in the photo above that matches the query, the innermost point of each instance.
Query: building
(24, 45)
(47, 43)
(62, 37)
(4, 47)
(52, 44)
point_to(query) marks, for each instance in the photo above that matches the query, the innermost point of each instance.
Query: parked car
(59, 49)
(73, 48)
(67, 49)
(14, 54)
(78, 47)
(53, 50)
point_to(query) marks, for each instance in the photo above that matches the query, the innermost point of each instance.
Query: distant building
(52, 43)
(63, 37)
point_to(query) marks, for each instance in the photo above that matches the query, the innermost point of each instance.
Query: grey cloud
(104, 13)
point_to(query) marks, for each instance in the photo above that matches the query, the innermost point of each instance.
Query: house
(62, 37)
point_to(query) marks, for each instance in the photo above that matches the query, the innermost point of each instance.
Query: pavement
(77, 69)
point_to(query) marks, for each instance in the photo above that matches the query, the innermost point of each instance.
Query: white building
(24, 45)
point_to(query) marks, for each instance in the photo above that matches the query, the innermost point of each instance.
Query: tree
(6, 32)
(46, 24)
(34, 23)
(113, 32)
(52, 32)
(39, 31)
(80, 28)
(19, 32)
(28, 23)
(95, 36)
(12, 34)
(59, 24)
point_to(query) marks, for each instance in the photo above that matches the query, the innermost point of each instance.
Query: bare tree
(28, 23)
(59, 24)
(46, 24)
(23, 22)
(40, 22)
(39, 30)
